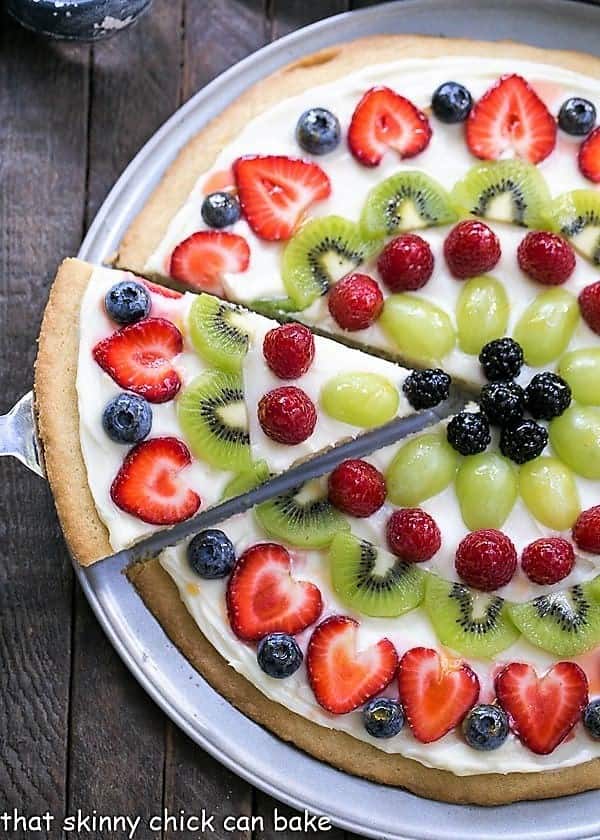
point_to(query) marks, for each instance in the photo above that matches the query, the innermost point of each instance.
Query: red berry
(406, 263)
(486, 559)
(589, 303)
(356, 488)
(586, 531)
(546, 258)
(548, 560)
(287, 415)
(471, 248)
(289, 350)
(355, 302)
(413, 535)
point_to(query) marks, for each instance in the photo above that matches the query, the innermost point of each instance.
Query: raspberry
(486, 559)
(426, 388)
(287, 415)
(548, 560)
(413, 535)
(471, 248)
(356, 488)
(546, 258)
(586, 530)
(289, 350)
(355, 302)
(406, 263)
(589, 303)
(469, 432)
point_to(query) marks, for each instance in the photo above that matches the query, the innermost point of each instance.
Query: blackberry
(383, 717)
(426, 388)
(523, 440)
(485, 727)
(547, 396)
(591, 718)
(469, 432)
(502, 402)
(501, 359)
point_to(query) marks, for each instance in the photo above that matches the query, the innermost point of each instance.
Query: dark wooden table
(76, 731)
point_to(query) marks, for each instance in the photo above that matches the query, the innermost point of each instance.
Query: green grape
(545, 328)
(422, 467)
(421, 330)
(575, 436)
(481, 313)
(581, 369)
(487, 487)
(549, 490)
(361, 399)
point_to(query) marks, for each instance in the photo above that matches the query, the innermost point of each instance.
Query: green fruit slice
(575, 437)
(422, 331)
(549, 491)
(564, 623)
(218, 332)
(361, 399)
(482, 312)
(422, 468)
(469, 622)
(581, 369)
(304, 517)
(320, 254)
(487, 488)
(406, 201)
(576, 215)
(212, 416)
(373, 581)
(247, 480)
(547, 325)
(505, 191)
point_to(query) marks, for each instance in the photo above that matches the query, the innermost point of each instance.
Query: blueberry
(485, 727)
(383, 718)
(127, 302)
(591, 718)
(211, 554)
(127, 418)
(279, 655)
(318, 131)
(451, 102)
(220, 209)
(577, 116)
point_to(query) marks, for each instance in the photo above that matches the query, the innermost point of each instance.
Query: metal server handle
(18, 435)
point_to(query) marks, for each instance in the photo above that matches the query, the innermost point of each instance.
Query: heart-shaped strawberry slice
(139, 357)
(201, 260)
(435, 695)
(342, 677)
(263, 597)
(543, 710)
(148, 485)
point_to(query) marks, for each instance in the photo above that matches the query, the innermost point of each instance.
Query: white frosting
(447, 159)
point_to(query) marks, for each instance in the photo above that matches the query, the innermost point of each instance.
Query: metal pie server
(18, 437)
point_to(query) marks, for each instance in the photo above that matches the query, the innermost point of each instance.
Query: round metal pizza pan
(237, 742)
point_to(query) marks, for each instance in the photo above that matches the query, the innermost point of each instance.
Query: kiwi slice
(212, 415)
(246, 480)
(273, 307)
(467, 621)
(320, 254)
(565, 623)
(506, 191)
(218, 332)
(406, 201)
(303, 517)
(373, 581)
(576, 215)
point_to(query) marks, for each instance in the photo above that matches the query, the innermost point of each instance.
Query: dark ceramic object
(77, 20)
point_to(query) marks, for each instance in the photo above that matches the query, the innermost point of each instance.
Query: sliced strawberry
(138, 357)
(511, 117)
(341, 677)
(263, 597)
(148, 485)
(385, 119)
(589, 156)
(436, 696)
(163, 291)
(276, 191)
(201, 260)
(543, 710)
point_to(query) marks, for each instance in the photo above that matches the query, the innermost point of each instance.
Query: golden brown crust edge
(337, 748)
(149, 227)
(58, 415)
